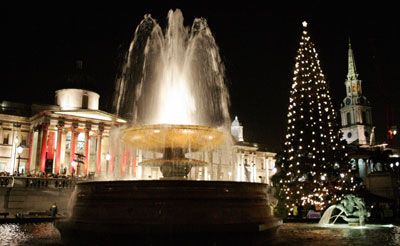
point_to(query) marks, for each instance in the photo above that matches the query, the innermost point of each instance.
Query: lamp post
(19, 151)
(108, 158)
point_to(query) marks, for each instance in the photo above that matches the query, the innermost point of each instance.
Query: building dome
(235, 122)
(74, 99)
(237, 130)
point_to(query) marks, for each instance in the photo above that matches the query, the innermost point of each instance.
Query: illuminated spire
(352, 72)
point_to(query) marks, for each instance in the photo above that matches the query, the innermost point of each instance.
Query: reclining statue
(352, 210)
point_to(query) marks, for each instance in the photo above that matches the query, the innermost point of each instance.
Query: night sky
(257, 44)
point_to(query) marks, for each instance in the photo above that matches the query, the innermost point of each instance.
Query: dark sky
(257, 43)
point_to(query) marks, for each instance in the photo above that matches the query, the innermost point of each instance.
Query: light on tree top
(304, 23)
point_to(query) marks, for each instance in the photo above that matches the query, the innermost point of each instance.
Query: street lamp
(108, 158)
(19, 151)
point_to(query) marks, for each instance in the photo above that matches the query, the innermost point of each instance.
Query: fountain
(172, 92)
(351, 209)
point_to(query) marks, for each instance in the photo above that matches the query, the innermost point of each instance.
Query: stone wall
(382, 184)
(35, 195)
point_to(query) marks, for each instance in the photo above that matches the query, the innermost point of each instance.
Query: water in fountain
(173, 84)
(327, 215)
(173, 77)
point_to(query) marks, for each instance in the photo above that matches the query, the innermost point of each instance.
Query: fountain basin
(123, 208)
(165, 136)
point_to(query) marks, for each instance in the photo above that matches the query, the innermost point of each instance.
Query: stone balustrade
(37, 182)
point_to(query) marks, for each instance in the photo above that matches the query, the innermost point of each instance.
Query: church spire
(352, 72)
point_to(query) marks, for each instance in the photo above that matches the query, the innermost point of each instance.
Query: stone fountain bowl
(165, 136)
(185, 161)
(121, 209)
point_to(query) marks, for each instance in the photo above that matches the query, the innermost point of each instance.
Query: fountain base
(174, 164)
(167, 207)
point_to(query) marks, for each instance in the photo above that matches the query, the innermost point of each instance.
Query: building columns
(60, 126)
(74, 137)
(45, 129)
(87, 140)
(99, 139)
(111, 164)
(124, 160)
(30, 146)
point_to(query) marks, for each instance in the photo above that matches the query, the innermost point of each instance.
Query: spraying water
(172, 92)
(174, 76)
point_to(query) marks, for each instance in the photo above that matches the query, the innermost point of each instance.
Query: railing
(6, 181)
(37, 182)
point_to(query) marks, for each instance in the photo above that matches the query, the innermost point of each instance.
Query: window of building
(23, 140)
(348, 117)
(68, 141)
(6, 136)
(349, 135)
(81, 142)
(85, 101)
(364, 117)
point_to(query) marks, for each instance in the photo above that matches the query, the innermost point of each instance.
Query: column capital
(45, 121)
(101, 128)
(88, 127)
(74, 126)
(60, 124)
(44, 125)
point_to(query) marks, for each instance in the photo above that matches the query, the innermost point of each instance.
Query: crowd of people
(40, 179)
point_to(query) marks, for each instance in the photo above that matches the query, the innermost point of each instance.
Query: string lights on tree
(314, 167)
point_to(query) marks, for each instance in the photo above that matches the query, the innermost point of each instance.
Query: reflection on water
(287, 234)
(29, 234)
(312, 234)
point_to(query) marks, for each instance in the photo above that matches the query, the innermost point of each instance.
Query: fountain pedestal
(121, 209)
(174, 141)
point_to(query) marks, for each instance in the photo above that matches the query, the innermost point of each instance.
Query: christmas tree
(314, 168)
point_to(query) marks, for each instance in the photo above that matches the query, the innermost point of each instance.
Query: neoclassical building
(71, 137)
(260, 162)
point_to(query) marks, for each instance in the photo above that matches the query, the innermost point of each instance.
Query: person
(53, 210)
(295, 211)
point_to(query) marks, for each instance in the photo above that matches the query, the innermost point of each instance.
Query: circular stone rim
(161, 136)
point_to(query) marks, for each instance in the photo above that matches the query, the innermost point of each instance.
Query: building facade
(53, 138)
(356, 110)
